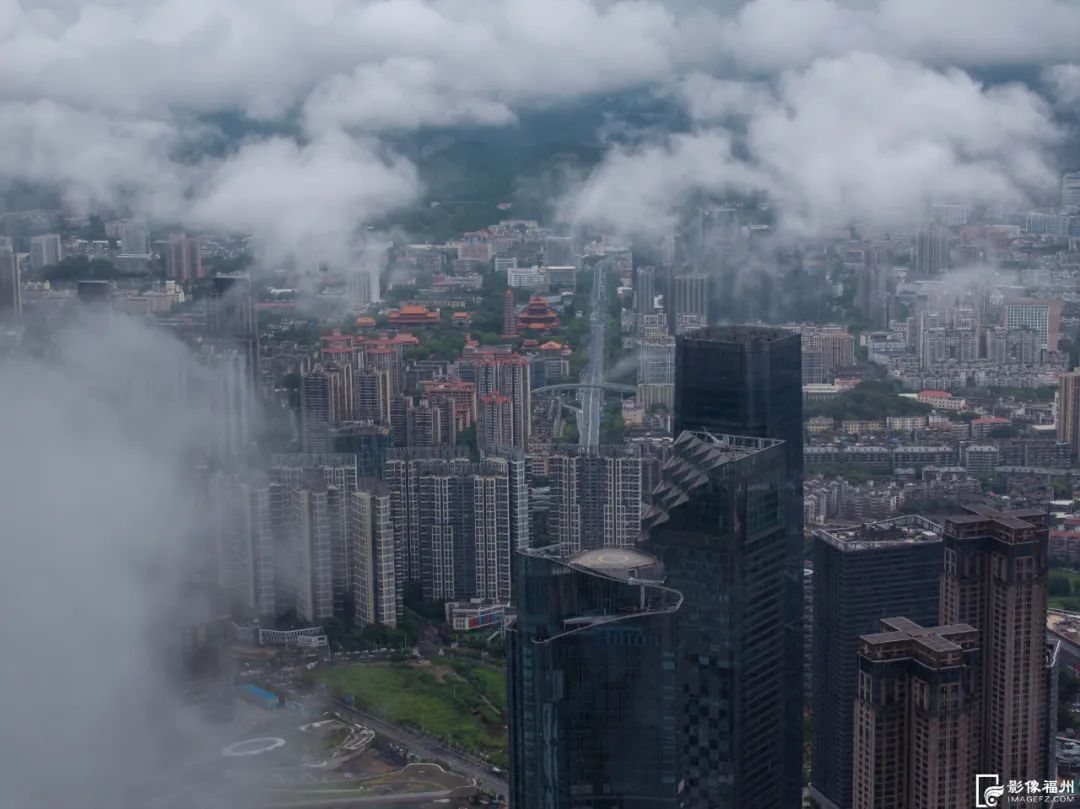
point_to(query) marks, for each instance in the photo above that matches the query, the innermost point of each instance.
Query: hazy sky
(849, 107)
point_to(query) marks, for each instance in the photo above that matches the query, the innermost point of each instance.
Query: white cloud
(636, 190)
(210, 54)
(397, 94)
(771, 35)
(774, 34)
(99, 97)
(1064, 83)
(974, 32)
(96, 499)
(854, 137)
(861, 136)
(132, 74)
(312, 196)
(95, 157)
(150, 56)
(710, 99)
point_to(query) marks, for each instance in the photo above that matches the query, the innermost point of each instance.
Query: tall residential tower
(861, 575)
(916, 716)
(597, 496)
(1068, 411)
(995, 580)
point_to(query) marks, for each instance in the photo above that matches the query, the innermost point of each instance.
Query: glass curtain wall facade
(717, 524)
(747, 380)
(592, 681)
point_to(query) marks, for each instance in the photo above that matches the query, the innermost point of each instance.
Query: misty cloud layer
(109, 100)
(770, 35)
(98, 526)
(859, 136)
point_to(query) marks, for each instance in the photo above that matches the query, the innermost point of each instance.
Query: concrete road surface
(426, 747)
(591, 400)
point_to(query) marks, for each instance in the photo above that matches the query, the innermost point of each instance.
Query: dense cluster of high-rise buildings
(929, 661)
(457, 522)
(717, 629)
(309, 539)
(932, 330)
(860, 575)
(671, 625)
(361, 379)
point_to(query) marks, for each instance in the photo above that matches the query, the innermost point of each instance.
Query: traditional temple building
(538, 315)
(552, 349)
(413, 315)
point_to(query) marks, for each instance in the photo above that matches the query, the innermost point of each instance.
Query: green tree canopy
(870, 399)
(82, 268)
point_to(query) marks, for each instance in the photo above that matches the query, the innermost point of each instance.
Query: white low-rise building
(941, 400)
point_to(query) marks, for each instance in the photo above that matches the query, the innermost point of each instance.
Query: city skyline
(581, 405)
(340, 545)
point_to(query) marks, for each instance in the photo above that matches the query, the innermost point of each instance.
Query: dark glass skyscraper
(861, 575)
(717, 524)
(230, 317)
(747, 380)
(10, 284)
(592, 682)
(742, 380)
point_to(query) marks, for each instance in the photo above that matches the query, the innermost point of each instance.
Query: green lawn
(489, 681)
(460, 702)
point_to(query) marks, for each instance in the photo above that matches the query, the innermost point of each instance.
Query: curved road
(425, 746)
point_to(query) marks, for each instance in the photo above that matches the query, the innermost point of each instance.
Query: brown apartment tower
(994, 579)
(916, 716)
(1068, 421)
(509, 315)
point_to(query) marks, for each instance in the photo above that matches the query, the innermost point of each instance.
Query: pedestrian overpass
(610, 387)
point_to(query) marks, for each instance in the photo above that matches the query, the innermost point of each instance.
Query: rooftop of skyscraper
(224, 282)
(901, 637)
(905, 530)
(604, 451)
(1014, 519)
(373, 485)
(696, 454)
(724, 447)
(743, 333)
(639, 571)
(622, 563)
